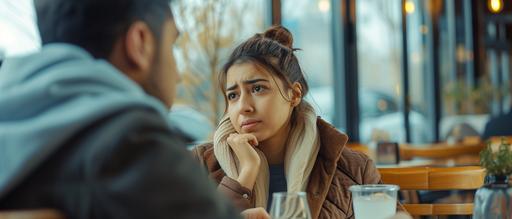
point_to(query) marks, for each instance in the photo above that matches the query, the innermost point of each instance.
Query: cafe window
(421, 30)
(310, 24)
(379, 70)
(209, 33)
(467, 90)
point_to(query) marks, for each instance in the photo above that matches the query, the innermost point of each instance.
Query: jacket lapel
(332, 143)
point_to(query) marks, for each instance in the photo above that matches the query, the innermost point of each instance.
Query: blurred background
(417, 71)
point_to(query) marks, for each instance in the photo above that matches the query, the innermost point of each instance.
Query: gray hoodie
(45, 98)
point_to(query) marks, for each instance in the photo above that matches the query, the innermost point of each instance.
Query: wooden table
(463, 160)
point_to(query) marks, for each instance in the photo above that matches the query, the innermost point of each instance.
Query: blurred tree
(209, 30)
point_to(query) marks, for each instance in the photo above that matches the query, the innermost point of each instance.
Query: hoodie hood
(48, 97)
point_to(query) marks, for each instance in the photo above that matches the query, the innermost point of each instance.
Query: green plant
(498, 163)
(463, 98)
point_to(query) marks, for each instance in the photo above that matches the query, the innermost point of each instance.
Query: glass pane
(208, 35)
(379, 66)
(19, 34)
(310, 23)
(419, 44)
(465, 95)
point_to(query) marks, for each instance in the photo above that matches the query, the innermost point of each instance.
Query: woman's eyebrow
(247, 82)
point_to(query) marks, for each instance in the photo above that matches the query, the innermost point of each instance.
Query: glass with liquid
(374, 201)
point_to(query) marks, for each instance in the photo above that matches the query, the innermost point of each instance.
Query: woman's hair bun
(280, 34)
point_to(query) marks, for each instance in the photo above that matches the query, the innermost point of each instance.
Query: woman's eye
(257, 88)
(231, 96)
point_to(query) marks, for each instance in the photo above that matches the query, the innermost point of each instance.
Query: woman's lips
(248, 125)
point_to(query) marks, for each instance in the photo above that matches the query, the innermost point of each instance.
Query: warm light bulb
(495, 5)
(324, 5)
(409, 7)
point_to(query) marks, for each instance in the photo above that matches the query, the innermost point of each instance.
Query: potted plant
(493, 200)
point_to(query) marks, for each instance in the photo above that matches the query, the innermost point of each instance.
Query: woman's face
(255, 102)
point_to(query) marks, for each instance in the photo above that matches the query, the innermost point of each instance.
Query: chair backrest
(31, 214)
(496, 140)
(439, 178)
(439, 150)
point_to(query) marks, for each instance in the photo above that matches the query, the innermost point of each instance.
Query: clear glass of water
(289, 206)
(374, 201)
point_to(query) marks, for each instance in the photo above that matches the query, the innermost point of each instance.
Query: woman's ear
(296, 94)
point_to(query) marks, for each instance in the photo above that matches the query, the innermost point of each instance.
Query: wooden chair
(443, 178)
(31, 214)
(495, 141)
(499, 138)
(439, 150)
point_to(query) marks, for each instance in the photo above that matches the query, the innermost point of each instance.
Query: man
(79, 133)
(498, 126)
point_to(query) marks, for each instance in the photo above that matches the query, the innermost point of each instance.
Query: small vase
(493, 200)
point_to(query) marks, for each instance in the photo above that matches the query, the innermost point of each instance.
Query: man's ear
(296, 94)
(140, 50)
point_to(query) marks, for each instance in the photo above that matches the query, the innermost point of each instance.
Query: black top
(277, 182)
(499, 126)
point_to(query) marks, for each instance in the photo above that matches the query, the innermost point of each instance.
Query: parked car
(380, 115)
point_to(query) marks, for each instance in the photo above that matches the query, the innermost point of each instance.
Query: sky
(18, 31)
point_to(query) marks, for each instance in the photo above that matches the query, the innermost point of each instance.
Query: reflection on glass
(379, 56)
(419, 40)
(466, 95)
(310, 24)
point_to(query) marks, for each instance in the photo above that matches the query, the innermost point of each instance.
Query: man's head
(136, 36)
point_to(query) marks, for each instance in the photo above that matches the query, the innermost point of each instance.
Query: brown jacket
(335, 170)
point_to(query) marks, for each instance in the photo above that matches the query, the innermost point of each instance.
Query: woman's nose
(246, 104)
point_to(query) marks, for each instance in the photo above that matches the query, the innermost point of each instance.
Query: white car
(381, 118)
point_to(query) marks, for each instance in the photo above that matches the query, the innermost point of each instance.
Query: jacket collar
(332, 143)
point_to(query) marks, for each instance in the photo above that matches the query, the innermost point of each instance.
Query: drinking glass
(290, 206)
(374, 201)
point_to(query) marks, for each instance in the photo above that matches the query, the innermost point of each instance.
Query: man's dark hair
(96, 25)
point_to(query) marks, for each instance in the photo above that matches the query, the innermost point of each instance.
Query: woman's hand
(255, 213)
(243, 146)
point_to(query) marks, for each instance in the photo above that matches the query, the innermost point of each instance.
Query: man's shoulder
(133, 119)
(133, 125)
(498, 126)
(143, 116)
(501, 120)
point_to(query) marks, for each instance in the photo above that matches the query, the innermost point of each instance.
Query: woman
(271, 139)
